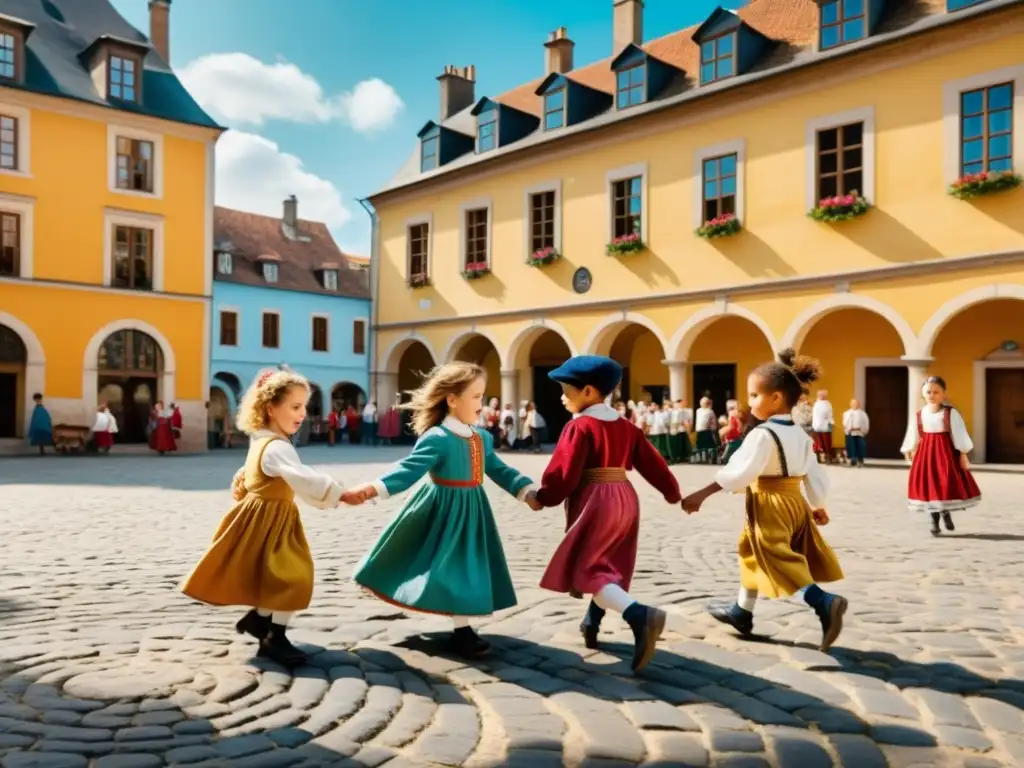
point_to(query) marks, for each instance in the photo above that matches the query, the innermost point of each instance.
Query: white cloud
(253, 174)
(240, 90)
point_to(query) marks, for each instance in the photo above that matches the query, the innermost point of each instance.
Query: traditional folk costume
(855, 426)
(588, 473)
(657, 432)
(803, 415)
(259, 556)
(161, 437)
(822, 423)
(40, 428)
(938, 484)
(103, 430)
(442, 553)
(707, 435)
(389, 425)
(678, 435)
(733, 437)
(781, 550)
(176, 422)
(370, 424)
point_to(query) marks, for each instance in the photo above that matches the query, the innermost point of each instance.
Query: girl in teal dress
(442, 553)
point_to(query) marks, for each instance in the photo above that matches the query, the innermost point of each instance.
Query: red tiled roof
(254, 237)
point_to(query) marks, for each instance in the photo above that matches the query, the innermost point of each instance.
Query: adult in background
(822, 423)
(104, 429)
(369, 425)
(332, 424)
(161, 437)
(40, 428)
(390, 424)
(353, 421)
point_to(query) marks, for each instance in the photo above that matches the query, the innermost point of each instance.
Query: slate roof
(65, 29)
(253, 237)
(792, 25)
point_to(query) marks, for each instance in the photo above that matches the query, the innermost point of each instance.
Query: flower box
(543, 256)
(626, 244)
(720, 226)
(840, 208)
(418, 281)
(476, 269)
(984, 183)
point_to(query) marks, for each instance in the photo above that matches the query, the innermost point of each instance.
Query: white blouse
(821, 416)
(705, 419)
(935, 421)
(657, 422)
(280, 459)
(758, 456)
(856, 422)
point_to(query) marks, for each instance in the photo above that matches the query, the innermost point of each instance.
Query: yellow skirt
(259, 557)
(781, 550)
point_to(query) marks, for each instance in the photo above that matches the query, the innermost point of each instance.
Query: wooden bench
(70, 438)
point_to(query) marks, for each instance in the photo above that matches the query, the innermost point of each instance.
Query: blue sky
(325, 99)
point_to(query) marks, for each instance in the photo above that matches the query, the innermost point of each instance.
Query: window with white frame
(134, 251)
(983, 123)
(135, 160)
(840, 155)
(331, 279)
(10, 244)
(270, 271)
(627, 202)
(418, 240)
(225, 263)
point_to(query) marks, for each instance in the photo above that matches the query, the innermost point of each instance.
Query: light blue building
(284, 293)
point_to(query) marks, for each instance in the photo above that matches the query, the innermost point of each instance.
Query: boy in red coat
(588, 472)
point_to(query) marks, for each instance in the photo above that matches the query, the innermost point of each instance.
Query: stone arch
(232, 384)
(934, 325)
(90, 362)
(458, 342)
(347, 392)
(229, 394)
(608, 328)
(682, 340)
(802, 323)
(393, 356)
(35, 364)
(525, 338)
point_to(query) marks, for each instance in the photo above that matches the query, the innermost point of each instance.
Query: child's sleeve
(815, 482)
(958, 431)
(747, 463)
(654, 469)
(565, 470)
(280, 459)
(427, 454)
(508, 478)
(910, 440)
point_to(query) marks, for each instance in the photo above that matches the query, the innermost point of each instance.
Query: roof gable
(720, 20)
(630, 56)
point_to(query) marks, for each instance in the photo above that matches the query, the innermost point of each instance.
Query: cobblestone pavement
(104, 663)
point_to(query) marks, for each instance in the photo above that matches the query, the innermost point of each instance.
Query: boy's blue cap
(600, 372)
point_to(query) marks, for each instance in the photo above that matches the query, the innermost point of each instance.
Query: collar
(601, 412)
(454, 425)
(782, 418)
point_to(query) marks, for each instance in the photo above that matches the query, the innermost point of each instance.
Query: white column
(386, 389)
(509, 385)
(676, 379)
(917, 372)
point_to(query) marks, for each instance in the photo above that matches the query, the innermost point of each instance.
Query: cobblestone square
(104, 663)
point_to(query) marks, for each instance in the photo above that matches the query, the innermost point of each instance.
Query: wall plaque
(582, 280)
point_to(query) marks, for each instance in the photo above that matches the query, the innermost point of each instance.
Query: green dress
(442, 553)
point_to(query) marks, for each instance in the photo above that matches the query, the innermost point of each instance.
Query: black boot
(936, 531)
(468, 644)
(947, 520)
(647, 624)
(253, 624)
(277, 647)
(830, 610)
(738, 618)
(591, 625)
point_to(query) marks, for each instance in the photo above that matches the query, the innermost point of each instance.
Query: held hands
(820, 516)
(238, 485)
(531, 501)
(358, 495)
(692, 503)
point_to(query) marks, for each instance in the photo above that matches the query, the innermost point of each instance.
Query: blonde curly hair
(429, 403)
(269, 388)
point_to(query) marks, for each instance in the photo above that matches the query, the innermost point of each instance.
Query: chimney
(558, 53)
(160, 27)
(458, 89)
(628, 23)
(291, 211)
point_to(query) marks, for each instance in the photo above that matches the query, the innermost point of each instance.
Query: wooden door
(9, 404)
(139, 397)
(886, 403)
(717, 381)
(1004, 415)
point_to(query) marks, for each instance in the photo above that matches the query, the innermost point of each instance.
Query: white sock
(264, 612)
(282, 618)
(612, 597)
(746, 599)
(460, 621)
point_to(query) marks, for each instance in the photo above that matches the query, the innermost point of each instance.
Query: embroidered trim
(476, 458)
(453, 483)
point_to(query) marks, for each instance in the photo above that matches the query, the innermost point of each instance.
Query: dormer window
(843, 21)
(225, 264)
(554, 110)
(123, 77)
(430, 150)
(718, 58)
(331, 279)
(9, 50)
(631, 87)
(270, 271)
(487, 130)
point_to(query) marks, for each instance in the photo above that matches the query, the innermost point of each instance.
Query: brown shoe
(832, 621)
(647, 638)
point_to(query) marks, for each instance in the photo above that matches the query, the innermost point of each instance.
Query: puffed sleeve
(958, 431)
(280, 459)
(508, 478)
(565, 470)
(747, 463)
(815, 482)
(911, 438)
(654, 469)
(427, 454)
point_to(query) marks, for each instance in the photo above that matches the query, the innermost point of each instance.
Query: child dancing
(588, 473)
(259, 555)
(781, 551)
(442, 553)
(937, 445)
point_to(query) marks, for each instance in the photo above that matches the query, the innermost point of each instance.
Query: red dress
(937, 481)
(388, 425)
(162, 438)
(588, 472)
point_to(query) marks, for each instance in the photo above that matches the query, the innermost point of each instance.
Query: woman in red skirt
(937, 445)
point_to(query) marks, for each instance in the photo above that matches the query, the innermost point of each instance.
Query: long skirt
(103, 439)
(162, 438)
(679, 447)
(707, 445)
(599, 547)
(781, 549)
(441, 554)
(823, 443)
(661, 445)
(259, 557)
(937, 482)
(731, 447)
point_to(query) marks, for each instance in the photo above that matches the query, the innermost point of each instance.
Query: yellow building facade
(924, 283)
(106, 201)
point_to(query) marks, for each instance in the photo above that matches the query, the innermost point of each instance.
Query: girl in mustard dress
(781, 551)
(442, 553)
(259, 556)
